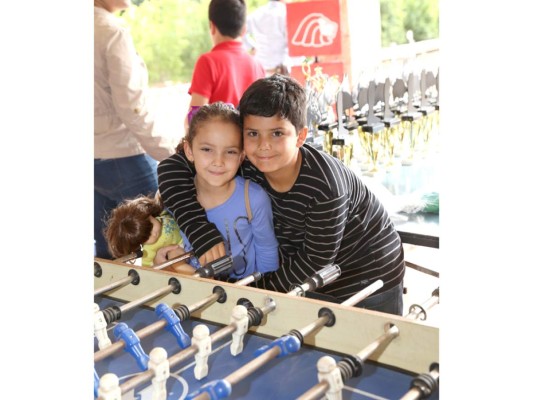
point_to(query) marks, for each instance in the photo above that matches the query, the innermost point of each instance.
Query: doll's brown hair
(129, 225)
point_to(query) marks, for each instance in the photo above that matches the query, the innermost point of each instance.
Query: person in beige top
(126, 148)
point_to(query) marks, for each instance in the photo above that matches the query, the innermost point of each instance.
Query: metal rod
(419, 311)
(326, 275)
(174, 260)
(253, 365)
(150, 296)
(229, 329)
(363, 294)
(121, 282)
(319, 279)
(299, 290)
(103, 353)
(383, 340)
(222, 333)
(118, 345)
(207, 301)
(149, 374)
(356, 298)
(270, 305)
(249, 279)
(414, 393)
(422, 269)
(316, 392)
(319, 323)
(128, 257)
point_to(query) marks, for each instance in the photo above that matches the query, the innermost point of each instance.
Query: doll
(143, 223)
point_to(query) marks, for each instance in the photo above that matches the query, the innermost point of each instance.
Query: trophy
(411, 123)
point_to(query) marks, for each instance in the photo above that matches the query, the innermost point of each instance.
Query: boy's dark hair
(229, 16)
(217, 111)
(276, 95)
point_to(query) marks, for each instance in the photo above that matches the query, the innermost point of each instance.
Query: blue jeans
(115, 180)
(390, 301)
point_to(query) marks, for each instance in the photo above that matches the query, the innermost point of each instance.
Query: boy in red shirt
(225, 72)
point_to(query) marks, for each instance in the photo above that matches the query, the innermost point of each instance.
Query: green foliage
(399, 16)
(253, 4)
(421, 17)
(392, 16)
(170, 35)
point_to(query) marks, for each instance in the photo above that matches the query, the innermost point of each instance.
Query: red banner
(313, 28)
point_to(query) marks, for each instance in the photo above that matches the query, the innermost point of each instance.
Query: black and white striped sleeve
(325, 222)
(176, 186)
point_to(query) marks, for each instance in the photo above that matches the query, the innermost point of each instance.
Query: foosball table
(162, 335)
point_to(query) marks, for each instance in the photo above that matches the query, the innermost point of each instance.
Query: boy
(323, 213)
(224, 73)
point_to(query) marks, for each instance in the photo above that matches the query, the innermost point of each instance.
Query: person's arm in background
(176, 186)
(128, 80)
(248, 39)
(197, 100)
(201, 86)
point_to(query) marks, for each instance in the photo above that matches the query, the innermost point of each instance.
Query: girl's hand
(214, 253)
(165, 253)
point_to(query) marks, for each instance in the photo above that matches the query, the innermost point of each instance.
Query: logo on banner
(315, 30)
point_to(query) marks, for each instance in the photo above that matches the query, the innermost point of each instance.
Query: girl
(214, 145)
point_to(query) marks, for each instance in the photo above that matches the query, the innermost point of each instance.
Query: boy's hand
(214, 253)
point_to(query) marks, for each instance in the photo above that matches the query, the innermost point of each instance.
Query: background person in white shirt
(126, 148)
(266, 37)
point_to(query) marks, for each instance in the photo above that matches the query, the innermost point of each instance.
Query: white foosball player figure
(160, 366)
(109, 388)
(100, 328)
(202, 340)
(239, 318)
(329, 372)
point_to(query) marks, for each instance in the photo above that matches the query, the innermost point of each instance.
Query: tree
(421, 17)
(392, 28)
(399, 16)
(170, 35)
